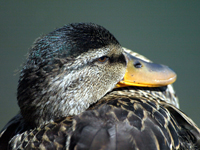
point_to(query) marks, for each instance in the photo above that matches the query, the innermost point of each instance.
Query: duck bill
(146, 74)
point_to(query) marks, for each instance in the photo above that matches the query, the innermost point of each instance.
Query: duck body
(120, 120)
(79, 89)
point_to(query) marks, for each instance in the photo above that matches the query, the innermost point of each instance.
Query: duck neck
(49, 98)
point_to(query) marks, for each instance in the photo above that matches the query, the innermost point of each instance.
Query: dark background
(166, 32)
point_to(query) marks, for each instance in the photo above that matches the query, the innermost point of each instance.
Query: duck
(80, 89)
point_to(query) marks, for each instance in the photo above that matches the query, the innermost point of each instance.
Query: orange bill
(146, 74)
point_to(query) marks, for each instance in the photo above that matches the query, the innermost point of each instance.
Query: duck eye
(103, 59)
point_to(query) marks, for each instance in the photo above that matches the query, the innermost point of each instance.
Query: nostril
(137, 64)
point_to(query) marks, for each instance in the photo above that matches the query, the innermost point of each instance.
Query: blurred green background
(166, 32)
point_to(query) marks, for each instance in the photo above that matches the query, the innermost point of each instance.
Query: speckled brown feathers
(118, 121)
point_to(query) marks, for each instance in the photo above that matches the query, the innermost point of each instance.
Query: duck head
(73, 67)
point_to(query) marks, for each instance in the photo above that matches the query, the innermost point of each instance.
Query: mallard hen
(75, 92)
